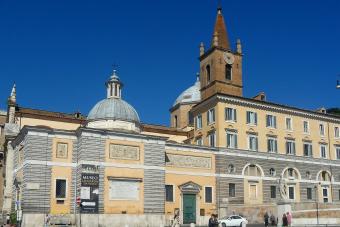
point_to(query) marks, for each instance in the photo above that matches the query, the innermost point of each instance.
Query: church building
(223, 154)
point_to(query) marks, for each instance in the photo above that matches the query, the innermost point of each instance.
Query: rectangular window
(231, 140)
(323, 151)
(211, 116)
(212, 139)
(271, 121)
(169, 193)
(253, 191)
(309, 193)
(289, 124)
(290, 147)
(272, 144)
(199, 141)
(325, 195)
(337, 151)
(273, 192)
(208, 194)
(60, 189)
(291, 192)
(231, 190)
(336, 132)
(230, 114)
(307, 149)
(252, 143)
(322, 129)
(251, 118)
(199, 121)
(305, 127)
(124, 189)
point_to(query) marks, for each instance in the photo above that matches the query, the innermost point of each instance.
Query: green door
(189, 208)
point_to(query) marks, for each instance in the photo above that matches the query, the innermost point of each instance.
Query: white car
(233, 220)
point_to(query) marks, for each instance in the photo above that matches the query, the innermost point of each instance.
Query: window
(228, 72)
(272, 172)
(60, 189)
(251, 118)
(199, 121)
(230, 114)
(62, 150)
(208, 194)
(337, 151)
(336, 132)
(323, 151)
(252, 143)
(253, 170)
(309, 193)
(291, 192)
(325, 194)
(252, 191)
(231, 168)
(271, 121)
(212, 139)
(322, 129)
(199, 141)
(273, 192)
(175, 121)
(290, 147)
(231, 140)
(211, 116)
(339, 194)
(190, 118)
(307, 149)
(169, 193)
(272, 145)
(231, 190)
(305, 127)
(289, 124)
(208, 73)
(308, 175)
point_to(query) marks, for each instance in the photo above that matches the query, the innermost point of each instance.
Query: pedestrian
(176, 221)
(211, 220)
(266, 219)
(272, 220)
(215, 221)
(289, 218)
(284, 220)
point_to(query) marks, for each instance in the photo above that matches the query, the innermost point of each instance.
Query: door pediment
(190, 187)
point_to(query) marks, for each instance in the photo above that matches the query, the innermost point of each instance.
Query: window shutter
(275, 144)
(226, 114)
(228, 140)
(293, 148)
(248, 117)
(286, 147)
(213, 115)
(255, 116)
(235, 136)
(311, 150)
(256, 143)
(267, 120)
(235, 118)
(274, 121)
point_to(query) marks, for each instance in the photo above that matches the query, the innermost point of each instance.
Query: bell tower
(220, 66)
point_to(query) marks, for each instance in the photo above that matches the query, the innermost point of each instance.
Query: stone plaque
(118, 151)
(187, 161)
(124, 190)
(62, 150)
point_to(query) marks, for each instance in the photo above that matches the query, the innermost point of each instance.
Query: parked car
(233, 220)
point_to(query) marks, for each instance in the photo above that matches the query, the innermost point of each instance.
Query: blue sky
(60, 53)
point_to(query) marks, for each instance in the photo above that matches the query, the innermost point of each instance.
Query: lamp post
(317, 204)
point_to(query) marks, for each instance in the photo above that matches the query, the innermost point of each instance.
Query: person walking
(176, 221)
(272, 220)
(284, 220)
(211, 220)
(266, 219)
(289, 218)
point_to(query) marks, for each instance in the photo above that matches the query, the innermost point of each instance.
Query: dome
(192, 94)
(113, 109)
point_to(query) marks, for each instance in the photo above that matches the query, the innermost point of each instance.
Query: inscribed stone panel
(187, 161)
(118, 151)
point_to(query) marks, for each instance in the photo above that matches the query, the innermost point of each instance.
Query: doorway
(189, 208)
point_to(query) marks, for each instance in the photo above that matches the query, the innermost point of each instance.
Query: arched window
(228, 72)
(252, 170)
(291, 174)
(208, 73)
(324, 176)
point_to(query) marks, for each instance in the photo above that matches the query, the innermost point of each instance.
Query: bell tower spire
(220, 35)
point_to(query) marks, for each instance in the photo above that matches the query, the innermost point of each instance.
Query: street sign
(78, 201)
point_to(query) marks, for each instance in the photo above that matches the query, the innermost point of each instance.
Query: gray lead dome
(113, 109)
(192, 94)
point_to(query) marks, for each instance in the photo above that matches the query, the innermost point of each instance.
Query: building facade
(224, 154)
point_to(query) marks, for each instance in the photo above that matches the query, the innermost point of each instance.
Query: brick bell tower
(220, 66)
